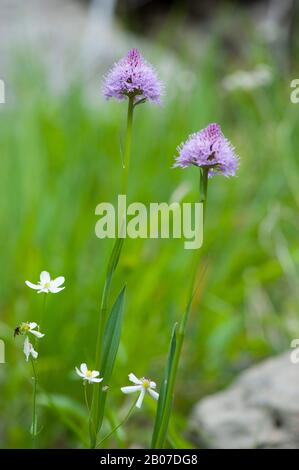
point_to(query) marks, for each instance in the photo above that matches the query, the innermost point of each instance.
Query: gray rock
(260, 410)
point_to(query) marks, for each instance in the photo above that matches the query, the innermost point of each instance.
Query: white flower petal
(26, 348)
(153, 384)
(55, 290)
(83, 368)
(140, 398)
(44, 277)
(32, 325)
(131, 389)
(32, 286)
(58, 281)
(134, 379)
(38, 334)
(34, 354)
(92, 379)
(153, 394)
(95, 373)
(79, 372)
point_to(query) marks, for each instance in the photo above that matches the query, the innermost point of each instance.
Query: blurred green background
(60, 157)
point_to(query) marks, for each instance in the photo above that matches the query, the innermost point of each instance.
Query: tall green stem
(128, 146)
(118, 426)
(41, 320)
(96, 415)
(34, 415)
(203, 187)
(162, 432)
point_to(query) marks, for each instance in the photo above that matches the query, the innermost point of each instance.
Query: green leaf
(114, 257)
(111, 344)
(161, 421)
(95, 421)
(167, 389)
(112, 336)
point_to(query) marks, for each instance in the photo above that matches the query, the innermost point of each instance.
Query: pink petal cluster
(133, 76)
(208, 148)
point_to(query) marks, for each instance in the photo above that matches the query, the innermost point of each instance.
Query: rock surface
(260, 410)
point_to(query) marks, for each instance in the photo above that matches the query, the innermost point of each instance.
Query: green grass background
(59, 158)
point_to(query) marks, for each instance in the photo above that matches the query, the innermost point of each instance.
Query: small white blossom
(29, 349)
(30, 327)
(143, 386)
(46, 284)
(87, 375)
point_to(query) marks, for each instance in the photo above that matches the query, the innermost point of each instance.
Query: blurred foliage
(60, 157)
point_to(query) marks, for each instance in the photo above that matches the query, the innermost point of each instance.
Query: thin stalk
(95, 417)
(162, 433)
(86, 398)
(41, 319)
(118, 426)
(128, 145)
(182, 328)
(203, 188)
(119, 437)
(34, 414)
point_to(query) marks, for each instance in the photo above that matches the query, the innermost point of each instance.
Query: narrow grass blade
(112, 336)
(162, 418)
(112, 265)
(167, 389)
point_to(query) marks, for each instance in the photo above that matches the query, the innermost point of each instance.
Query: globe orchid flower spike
(133, 77)
(28, 327)
(143, 386)
(46, 284)
(210, 150)
(87, 375)
(213, 154)
(29, 350)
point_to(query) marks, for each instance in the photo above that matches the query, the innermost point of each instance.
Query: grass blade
(112, 265)
(162, 419)
(112, 336)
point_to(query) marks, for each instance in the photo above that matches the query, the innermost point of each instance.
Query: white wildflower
(46, 284)
(87, 375)
(29, 327)
(143, 386)
(29, 350)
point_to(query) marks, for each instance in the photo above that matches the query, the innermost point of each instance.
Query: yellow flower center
(25, 327)
(47, 285)
(88, 373)
(146, 383)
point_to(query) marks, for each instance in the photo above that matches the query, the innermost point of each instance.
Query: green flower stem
(128, 145)
(181, 330)
(118, 426)
(119, 435)
(203, 187)
(86, 397)
(96, 415)
(162, 433)
(41, 320)
(34, 414)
